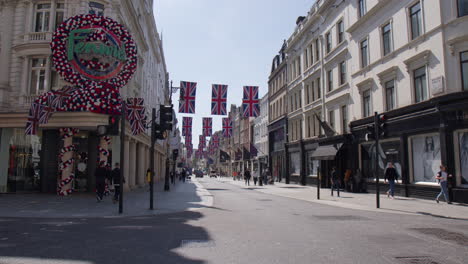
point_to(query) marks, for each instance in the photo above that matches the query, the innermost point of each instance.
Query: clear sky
(229, 42)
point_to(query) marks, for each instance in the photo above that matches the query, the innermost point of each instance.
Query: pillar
(5, 52)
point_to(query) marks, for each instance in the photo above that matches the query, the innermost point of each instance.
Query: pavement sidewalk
(190, 195)
(362, 201)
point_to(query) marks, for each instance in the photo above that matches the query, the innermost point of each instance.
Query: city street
(243, 225)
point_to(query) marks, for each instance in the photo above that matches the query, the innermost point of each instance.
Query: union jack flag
(202, 140)
(48, 109)
(188, 91)
(136, 115)
(188, 139)
(186, 126)
(215, 140)
(250, 103)
(227, 127)
(33, 119)
(218, 99)
(61, 96)
(207, 126)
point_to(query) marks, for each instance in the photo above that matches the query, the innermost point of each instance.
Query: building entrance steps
(363, 201)
(187, 196)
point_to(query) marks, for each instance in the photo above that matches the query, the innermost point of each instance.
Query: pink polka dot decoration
(105, 34)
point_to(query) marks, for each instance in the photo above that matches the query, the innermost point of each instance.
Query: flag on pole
(188, 91)
(218, 99)
(136, 115)
(186, 126)
(207, 126)
(250, 103)
(227, 127)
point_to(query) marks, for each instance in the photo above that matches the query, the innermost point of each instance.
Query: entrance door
(81, 157)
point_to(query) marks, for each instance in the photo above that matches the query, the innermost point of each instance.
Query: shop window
(420, 84)
(415, 20)
(42, 17)
(295, 163)
(425, 151)
(463, 155)
(389, 151)
(38, 76)
(464, 69)
(462, 8)
(96, 8)
(312, 165)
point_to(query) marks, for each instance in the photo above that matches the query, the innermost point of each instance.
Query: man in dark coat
(335, 182)
(247, 177)
(115, 175)
(101, 174)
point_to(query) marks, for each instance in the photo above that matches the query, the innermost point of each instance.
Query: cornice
(370, 14)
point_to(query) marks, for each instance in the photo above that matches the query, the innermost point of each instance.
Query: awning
(327, 152)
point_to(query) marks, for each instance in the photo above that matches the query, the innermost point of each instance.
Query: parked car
(213, 174)
(198, 174)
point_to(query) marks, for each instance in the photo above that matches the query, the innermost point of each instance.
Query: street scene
(164, 131)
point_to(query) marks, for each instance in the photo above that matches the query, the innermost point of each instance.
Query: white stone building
(28, 163)
(260, 135)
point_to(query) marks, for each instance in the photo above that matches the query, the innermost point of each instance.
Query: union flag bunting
(215, 140)
(218, 99)
(207, 126)
(136, 115)
(188, 139)
(188, 91)
(202, 140)
(227, 127)
(186, 126)
(250, 103)
(33, 119)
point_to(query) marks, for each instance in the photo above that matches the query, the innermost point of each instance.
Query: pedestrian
(247, 177)
(115, 176)
(391, 175)
(148, 179)
(183, 174)
(335, 182)
(358, 180)
(255, 177)
(101, 174)
(442, 177)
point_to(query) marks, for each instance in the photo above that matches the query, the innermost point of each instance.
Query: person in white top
(442, 177)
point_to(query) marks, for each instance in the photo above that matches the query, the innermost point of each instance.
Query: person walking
(101, 174)
(247, 177)
(183, 174)
(148, 179)
(442, 177)
(115, 176)
(335, 182)
(391, 175)
(255, 177)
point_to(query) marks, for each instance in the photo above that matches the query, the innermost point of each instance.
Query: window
(464, 69)
(390, 94)
(387, 38)
(364, 53)
(331, 119)
(42, 18)
(344, 119)
(330, 80)
(342, 73)
(306, 58)
(311, 54)
(38, 76)
(312, 91)
(366, 103)
(309, 126)
(462, 8)
(318, 88)
(420, 85)
(415, 18)
(362, 7)
(328, 41)
(317, 129)
(317, 49)
(96, 8)
(59, 13)
(340, 29)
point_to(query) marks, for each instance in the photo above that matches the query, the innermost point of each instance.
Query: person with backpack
(391, 175)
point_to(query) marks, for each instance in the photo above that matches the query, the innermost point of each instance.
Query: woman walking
(442, 177)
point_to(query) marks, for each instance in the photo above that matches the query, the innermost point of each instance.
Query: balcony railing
(37, 37)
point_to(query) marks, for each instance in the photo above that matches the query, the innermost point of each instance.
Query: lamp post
(166, 178)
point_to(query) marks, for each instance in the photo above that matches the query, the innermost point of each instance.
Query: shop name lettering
(89, 47)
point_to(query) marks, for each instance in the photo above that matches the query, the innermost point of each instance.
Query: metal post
(153, 139)
(376, 162)
(318, 183)
(122, 159)
(166, 178)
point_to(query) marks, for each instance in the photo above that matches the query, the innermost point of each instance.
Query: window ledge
(337, 90)
(370, 14)
(333, 51)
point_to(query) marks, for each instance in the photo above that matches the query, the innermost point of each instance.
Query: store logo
(95, 53)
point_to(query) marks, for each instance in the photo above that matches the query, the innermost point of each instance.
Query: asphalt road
(243, 226)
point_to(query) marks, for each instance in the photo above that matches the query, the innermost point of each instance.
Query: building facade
(260, 138)
(406, 60)
(29, 163)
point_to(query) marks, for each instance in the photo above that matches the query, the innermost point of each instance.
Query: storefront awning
(327, 152)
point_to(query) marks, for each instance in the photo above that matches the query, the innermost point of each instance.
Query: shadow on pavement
(149, 239)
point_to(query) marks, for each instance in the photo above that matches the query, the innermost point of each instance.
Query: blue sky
(228, 42)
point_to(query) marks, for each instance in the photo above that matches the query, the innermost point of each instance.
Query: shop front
(277, 152)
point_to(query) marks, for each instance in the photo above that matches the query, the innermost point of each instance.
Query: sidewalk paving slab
(187, 196)
(362, 201)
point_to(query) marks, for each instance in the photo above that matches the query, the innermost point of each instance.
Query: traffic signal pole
(122, 159)
(153, 139)
(376, 157)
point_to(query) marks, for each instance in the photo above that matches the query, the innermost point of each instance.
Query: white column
(5, 52)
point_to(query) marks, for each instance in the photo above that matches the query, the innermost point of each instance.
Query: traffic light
(159, 132)
(112, 128)
(165, 112)
(382, 126)
(370, 135)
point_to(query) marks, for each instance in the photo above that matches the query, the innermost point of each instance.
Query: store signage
(93, 51)
(437, 85)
